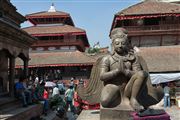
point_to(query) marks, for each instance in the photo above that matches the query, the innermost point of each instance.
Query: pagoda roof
(162, 58)
(47, 14)
(53, 30)
(149, 8)
(43, 59)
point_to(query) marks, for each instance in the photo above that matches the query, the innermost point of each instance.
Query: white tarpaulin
(50, 84)
(165, 77)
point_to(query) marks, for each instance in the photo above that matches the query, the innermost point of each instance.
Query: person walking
(69, 98)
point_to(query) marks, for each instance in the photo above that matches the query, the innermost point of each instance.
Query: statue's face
(120, 45)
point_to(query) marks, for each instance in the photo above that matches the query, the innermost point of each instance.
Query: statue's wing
(152, 94)
(143, 63)
(92, 92)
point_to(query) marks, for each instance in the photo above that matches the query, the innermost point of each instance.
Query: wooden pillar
(161, 40)
(12, 75)
(25, 67)
(139, 44)
(177, 40)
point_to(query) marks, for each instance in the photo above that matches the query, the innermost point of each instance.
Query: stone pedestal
(117, 113)
(89, 115)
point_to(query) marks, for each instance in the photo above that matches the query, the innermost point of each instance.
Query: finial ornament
(52, 8)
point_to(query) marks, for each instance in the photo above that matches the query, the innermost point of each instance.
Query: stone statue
(121, 73)
(121, 78)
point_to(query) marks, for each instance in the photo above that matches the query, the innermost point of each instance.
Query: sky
(94, 16)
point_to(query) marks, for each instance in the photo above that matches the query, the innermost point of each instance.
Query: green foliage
(93, 50)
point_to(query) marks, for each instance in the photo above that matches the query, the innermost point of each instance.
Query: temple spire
(52, 8)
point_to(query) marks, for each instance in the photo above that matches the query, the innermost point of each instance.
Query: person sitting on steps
(22, 93)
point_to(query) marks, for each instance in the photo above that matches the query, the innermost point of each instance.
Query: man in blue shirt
(22, 93)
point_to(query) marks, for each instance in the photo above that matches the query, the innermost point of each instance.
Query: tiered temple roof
(53, 30)
(56, 23)
(51, 16)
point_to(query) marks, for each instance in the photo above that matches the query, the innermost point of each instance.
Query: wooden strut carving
(92, 92)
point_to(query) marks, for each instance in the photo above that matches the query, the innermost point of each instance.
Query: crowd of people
(62, 97)
(59, 98)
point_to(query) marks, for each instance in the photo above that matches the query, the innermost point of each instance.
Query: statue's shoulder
(108, 56)
(106, 59)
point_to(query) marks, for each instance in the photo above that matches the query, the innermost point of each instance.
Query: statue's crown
(118, 32)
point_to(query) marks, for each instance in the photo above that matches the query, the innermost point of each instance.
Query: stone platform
(89, 115)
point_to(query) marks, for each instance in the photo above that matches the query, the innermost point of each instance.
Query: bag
(60, 111)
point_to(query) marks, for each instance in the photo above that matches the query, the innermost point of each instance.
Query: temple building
(154, 28)
(154, 31)
(59, 50)
(14, 43)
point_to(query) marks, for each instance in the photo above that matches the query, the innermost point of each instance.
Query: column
(26, 67)
(11, 75)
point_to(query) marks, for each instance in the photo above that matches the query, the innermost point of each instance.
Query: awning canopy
(164, 77)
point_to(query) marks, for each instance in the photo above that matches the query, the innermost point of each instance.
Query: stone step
(4, 94)
(50, 115)
(20, 113)
(8, 102)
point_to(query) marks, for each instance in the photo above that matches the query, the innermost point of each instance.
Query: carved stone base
(117, 113)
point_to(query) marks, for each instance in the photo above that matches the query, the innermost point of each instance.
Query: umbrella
(50, 84)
